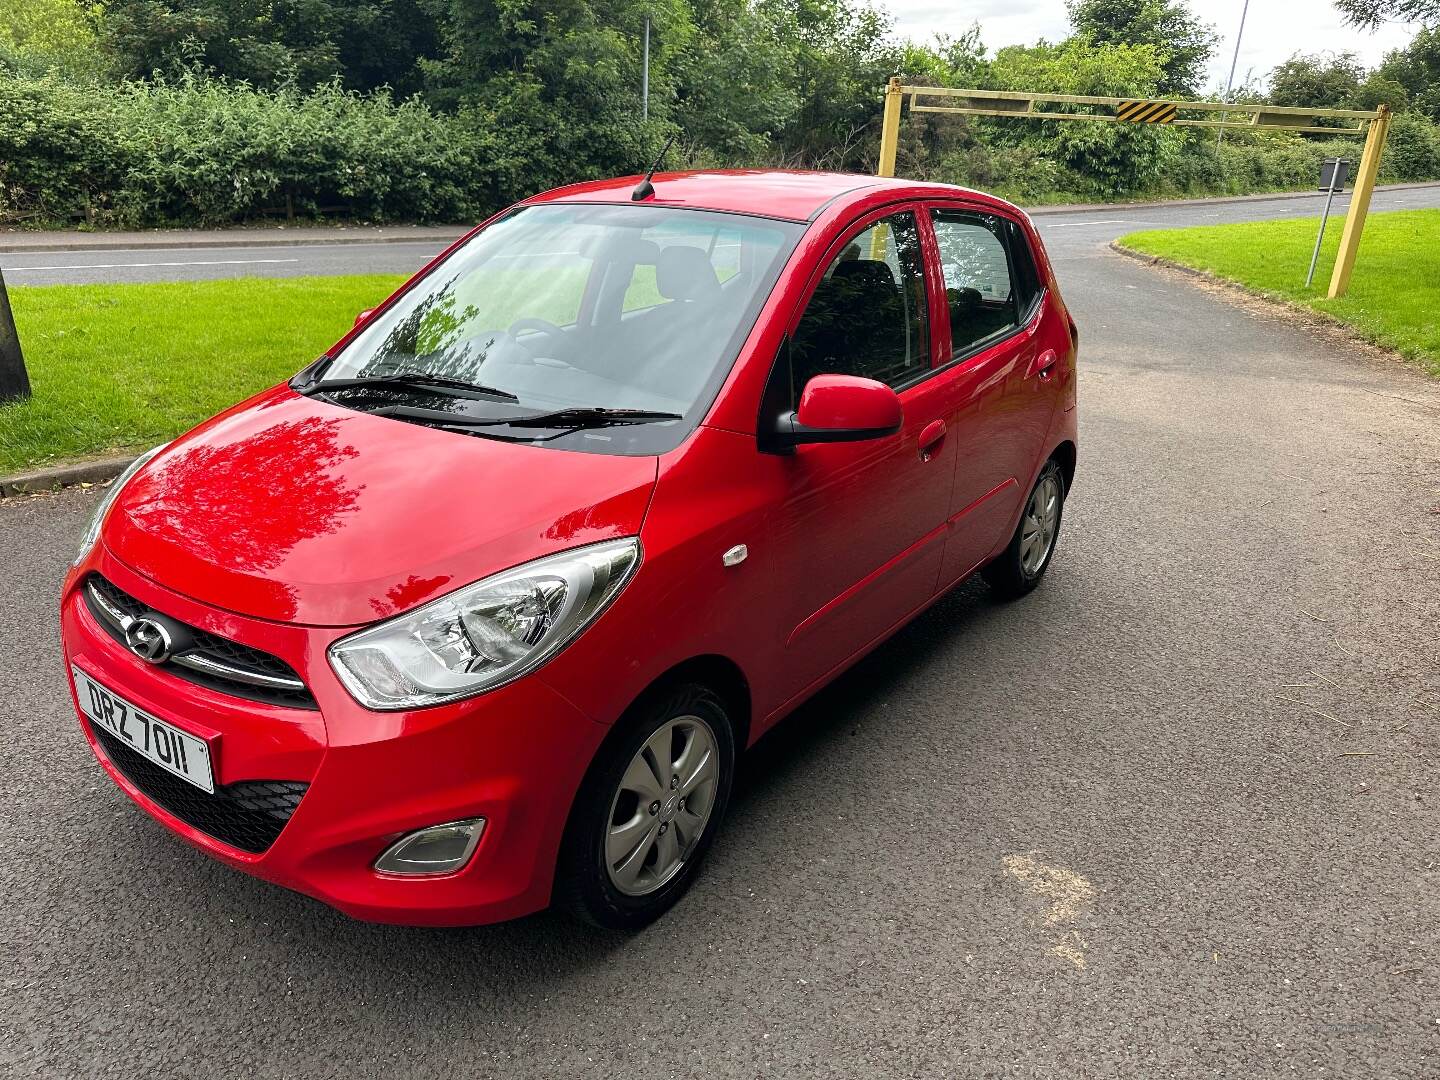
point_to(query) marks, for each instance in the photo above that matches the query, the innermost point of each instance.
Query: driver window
(868, 314)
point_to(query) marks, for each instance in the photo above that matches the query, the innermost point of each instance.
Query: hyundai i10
(476, 613)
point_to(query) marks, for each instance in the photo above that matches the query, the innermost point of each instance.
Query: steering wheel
(542, 326)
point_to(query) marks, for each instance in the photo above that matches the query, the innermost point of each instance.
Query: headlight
(485, 634)
(92, 531)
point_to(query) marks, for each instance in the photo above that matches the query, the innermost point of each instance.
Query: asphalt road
(1070, 234)
(86, 267)
(1172, 815)
(1064, 231)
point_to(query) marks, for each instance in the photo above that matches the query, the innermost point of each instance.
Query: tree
(950, 61)
(1183, 42)
(1379, 89)
(841, 55)
(366, 43)
(1317, 80)
(48, 34)
(731, 93)
(1101, 158)
(559, 83)
(1416, 68)
(1371, 13)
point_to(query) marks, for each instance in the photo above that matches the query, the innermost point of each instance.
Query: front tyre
(647, 811)
(1022, 564)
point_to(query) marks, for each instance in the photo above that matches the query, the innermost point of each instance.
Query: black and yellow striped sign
(1145, 112)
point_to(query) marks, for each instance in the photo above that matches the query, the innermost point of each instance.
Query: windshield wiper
(591, 417)
(414, 378)
(560, 418)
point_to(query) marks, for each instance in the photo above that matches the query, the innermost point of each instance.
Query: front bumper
(514, 756)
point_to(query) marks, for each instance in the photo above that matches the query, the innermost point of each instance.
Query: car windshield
(570, 306)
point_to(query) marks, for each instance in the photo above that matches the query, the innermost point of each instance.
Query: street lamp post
(645, 74)
(1235, 59)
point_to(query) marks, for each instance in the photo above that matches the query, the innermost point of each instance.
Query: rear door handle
(931, 436)
(1044, 363)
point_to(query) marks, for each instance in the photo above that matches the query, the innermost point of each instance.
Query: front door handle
(931, 436)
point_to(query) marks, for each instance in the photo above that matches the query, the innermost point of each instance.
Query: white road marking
(535, 255)
(119, 266)
(1107, 221)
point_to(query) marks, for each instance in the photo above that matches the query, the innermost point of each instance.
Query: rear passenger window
(868, 316)
(979, 289)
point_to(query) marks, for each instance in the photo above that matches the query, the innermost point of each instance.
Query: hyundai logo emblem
(148, 640)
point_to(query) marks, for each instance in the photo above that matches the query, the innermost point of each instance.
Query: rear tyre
(647, 811)
(1022, 564)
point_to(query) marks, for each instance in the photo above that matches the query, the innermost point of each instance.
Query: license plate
(174, 750)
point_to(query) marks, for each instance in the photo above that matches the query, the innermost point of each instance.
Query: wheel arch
(717, 673)
(720, 674)
(1064, 455)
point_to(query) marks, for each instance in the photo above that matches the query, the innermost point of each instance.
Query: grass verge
(122, 367)
(1394, 296)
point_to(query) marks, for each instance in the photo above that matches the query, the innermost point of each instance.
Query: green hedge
(199, 151)
(206, 152)
(1179, 162)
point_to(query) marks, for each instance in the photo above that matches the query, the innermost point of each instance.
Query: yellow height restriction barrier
(1145, 112)
(1373, 124)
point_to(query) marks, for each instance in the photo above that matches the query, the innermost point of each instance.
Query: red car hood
(290, 509)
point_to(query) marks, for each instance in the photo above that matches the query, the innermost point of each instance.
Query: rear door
(1001, 381)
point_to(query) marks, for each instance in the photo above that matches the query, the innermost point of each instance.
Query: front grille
(248, 815)
(206, 659)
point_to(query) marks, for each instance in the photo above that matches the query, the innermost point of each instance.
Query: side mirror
(364, 315)
(840, 408)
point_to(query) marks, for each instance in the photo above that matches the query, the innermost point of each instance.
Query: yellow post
(890, 128)
(1359, 203)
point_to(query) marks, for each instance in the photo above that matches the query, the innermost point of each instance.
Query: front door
(859, 528)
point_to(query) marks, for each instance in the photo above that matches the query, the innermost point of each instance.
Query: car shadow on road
(838, 711)
(542, 951)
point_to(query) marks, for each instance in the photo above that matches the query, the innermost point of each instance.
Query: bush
(63, 152)
(1022, 173)
(209, 152)
(1412, 152)
(1096, 160)
(1174, 163)
(204, 151)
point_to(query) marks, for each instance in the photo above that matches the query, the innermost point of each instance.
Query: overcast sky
(1274, 29)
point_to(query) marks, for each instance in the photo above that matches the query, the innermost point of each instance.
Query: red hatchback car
(475, 613)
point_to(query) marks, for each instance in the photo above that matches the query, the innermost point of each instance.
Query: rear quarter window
(1027, 277)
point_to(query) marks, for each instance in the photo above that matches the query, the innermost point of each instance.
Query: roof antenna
(645, 189)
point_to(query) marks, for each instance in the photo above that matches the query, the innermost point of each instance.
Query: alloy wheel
(662, 806)
(1041, 522)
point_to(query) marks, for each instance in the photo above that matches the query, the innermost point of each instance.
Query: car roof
(777, 193)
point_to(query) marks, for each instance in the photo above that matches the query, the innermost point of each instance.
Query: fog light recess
(440, 849)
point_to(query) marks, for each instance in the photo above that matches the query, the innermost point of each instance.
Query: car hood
(295, 510)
